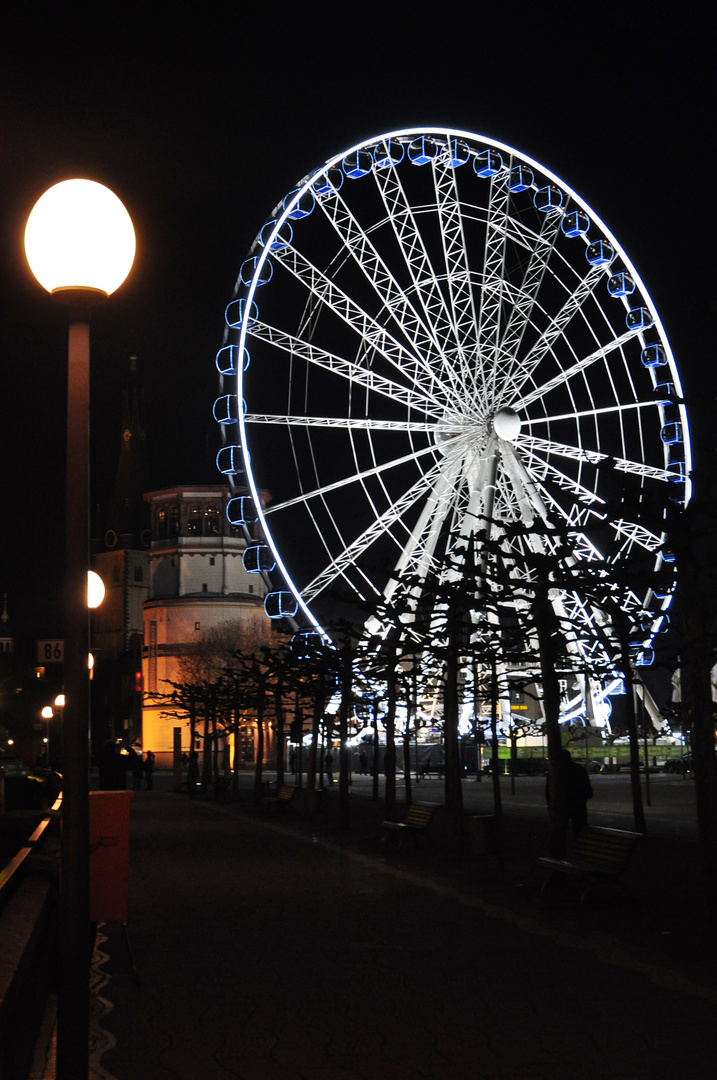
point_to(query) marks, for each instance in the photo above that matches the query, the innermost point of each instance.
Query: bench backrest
(286, 791)
(609, 849)
(419, 815)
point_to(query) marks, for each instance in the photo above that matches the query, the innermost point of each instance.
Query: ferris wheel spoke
(616, 410)
(632, 532)
(543, 471)
(369, 330)
(523, 370)
(493, 284)
(417, 261)
(459, 278)
(348, 481)
(581, 365)
(346, 423)
(594, 457)
(376, 271)
(348, 370)
(382, 526)
(531, 496)
(526, 297)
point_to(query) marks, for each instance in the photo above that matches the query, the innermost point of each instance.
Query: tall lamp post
(80, 245)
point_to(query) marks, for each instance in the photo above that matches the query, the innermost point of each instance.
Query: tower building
(198, 586)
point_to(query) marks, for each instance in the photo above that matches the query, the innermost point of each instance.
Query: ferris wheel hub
(506, 424)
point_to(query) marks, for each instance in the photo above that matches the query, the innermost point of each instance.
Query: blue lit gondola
(230, 460)
(389, 153)
(520, 178)
(639, 317)
(226, 409)
(247, 271)
(239, 312)
(280, 605)
(357, 164)
(600, 253)
(283, 236)
(258, 558)
(422, 150)
(665, 393)
(488, 163)
(305, 644)
(242, 511)
(227, 360)
(654, 356)
(548, 198)
(671, 433)
(326, 183)
(456, 153)
(620, 284)
(576, 223)
(303, 207)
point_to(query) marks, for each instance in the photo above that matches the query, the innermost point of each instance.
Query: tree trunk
(548, 633)
(453, 788)
(390, 765)
(344, 712)
(494, 757)
(259, 768)
(207, 750)
(319, 703)
(374, 762)
(279, 706)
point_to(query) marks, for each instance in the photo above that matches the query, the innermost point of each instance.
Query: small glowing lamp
(79, 236)
(47, 713)
(60, 701)
(95, 589)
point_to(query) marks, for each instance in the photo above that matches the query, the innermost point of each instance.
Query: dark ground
(281, 948)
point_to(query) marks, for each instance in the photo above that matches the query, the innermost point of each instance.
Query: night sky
(201, 119)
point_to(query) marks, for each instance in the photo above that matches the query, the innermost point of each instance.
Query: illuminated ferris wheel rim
(282, 214)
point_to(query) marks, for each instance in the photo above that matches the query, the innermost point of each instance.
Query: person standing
(578, 790)
(148, 769)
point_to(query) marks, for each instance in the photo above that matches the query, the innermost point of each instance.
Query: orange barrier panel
(109, 855)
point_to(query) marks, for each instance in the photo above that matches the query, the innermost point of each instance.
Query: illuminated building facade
(197, 584)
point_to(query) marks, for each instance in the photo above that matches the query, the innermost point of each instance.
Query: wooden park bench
(417, 820)
(272, 803)
(598, 856)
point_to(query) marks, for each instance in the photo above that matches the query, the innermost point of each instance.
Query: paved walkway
(274, 951)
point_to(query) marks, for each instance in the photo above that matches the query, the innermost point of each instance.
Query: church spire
(127, 513)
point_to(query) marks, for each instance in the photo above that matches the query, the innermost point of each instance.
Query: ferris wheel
(433, 331)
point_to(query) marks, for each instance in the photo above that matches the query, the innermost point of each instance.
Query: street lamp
(47, 713)
(80, 245)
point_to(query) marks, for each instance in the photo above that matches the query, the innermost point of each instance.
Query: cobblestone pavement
(267, 952)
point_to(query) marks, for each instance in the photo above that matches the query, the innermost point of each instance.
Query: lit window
(211, 521)
(194, 521)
